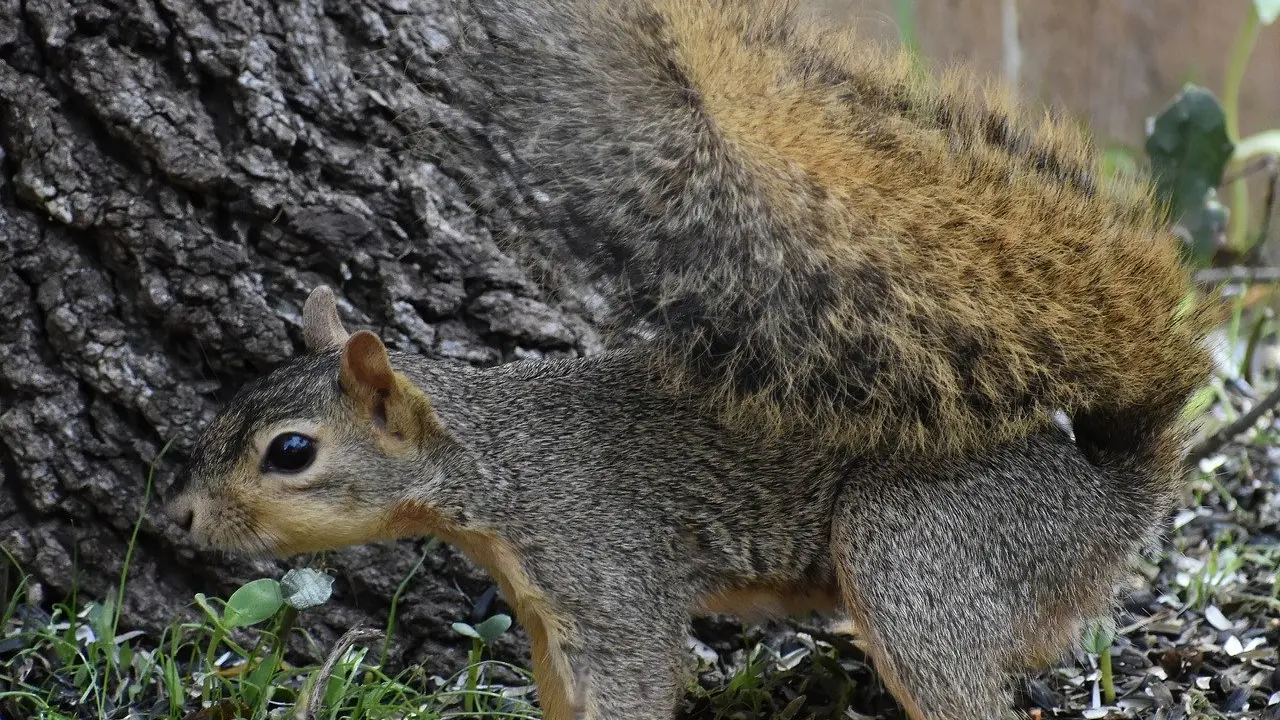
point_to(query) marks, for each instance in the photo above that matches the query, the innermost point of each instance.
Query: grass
(66, 669)
(71, 663)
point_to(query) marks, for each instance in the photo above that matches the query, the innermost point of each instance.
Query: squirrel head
(316, 455)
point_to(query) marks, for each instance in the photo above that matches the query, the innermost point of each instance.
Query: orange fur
(762, 601)
(547, 630)
(977, 235)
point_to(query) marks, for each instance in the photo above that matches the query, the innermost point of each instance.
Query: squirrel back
(827, 242)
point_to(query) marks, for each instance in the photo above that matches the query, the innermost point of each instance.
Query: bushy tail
(825, 243)
(1143, 458)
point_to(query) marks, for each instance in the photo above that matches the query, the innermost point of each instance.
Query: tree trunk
(175, 176)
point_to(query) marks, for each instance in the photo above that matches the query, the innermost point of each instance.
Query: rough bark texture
(175, 175)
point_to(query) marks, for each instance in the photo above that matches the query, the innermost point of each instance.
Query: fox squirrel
(867, 294)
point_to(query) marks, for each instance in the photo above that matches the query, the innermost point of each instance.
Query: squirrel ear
(394, 404)
(365, 365)
(321, 327)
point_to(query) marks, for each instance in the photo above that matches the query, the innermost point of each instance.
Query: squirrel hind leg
(959, 573)
(932, 673)
(934, 581)
(937, 654)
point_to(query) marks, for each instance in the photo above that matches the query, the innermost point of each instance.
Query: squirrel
(867, 293)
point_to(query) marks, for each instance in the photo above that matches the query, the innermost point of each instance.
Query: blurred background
(1113, 63)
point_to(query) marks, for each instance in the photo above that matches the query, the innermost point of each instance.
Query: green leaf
(1189, 147)
(466, 631)
(125, 656)
(343, 677)
(208, 608)
(305, 588)
(1268, 10)
(259, 680)
(1099, 635)
(100, 617)
(252, 603)
(792, 708)
(491, 629)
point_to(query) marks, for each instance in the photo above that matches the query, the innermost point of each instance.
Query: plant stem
(473, 675)
(395, 600)
(133, 539)
(1241, 49)
(287, 620)
(210, 655)
(906, 16)
(1108, 686)
(1262, 145)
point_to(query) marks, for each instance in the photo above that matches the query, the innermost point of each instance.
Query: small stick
(1257, 166)
(1269, 207)
(1214, 442)
(311, 700)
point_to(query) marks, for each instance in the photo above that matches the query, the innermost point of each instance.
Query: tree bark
(175, 176)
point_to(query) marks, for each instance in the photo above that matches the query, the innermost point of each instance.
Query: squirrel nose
(181, 512)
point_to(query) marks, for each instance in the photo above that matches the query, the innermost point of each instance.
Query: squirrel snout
(181, 511)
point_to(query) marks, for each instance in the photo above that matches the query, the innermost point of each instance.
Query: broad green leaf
(1188, 147)
(1268, 10)
(466, 630)
(490, 629)
(100, 617)
(305, 588)
(252, 603)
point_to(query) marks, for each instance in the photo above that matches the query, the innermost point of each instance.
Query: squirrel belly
(825, 242)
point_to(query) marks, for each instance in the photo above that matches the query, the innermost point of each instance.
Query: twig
(1238, 274)
(311, 700)
(1257, 166)
(1269, 207)
(1214, 442)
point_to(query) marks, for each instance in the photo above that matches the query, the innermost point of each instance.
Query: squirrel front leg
(620, 658)
(625, 673)
(605, 646)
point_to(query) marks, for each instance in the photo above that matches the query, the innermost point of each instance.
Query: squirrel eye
(289, 453)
